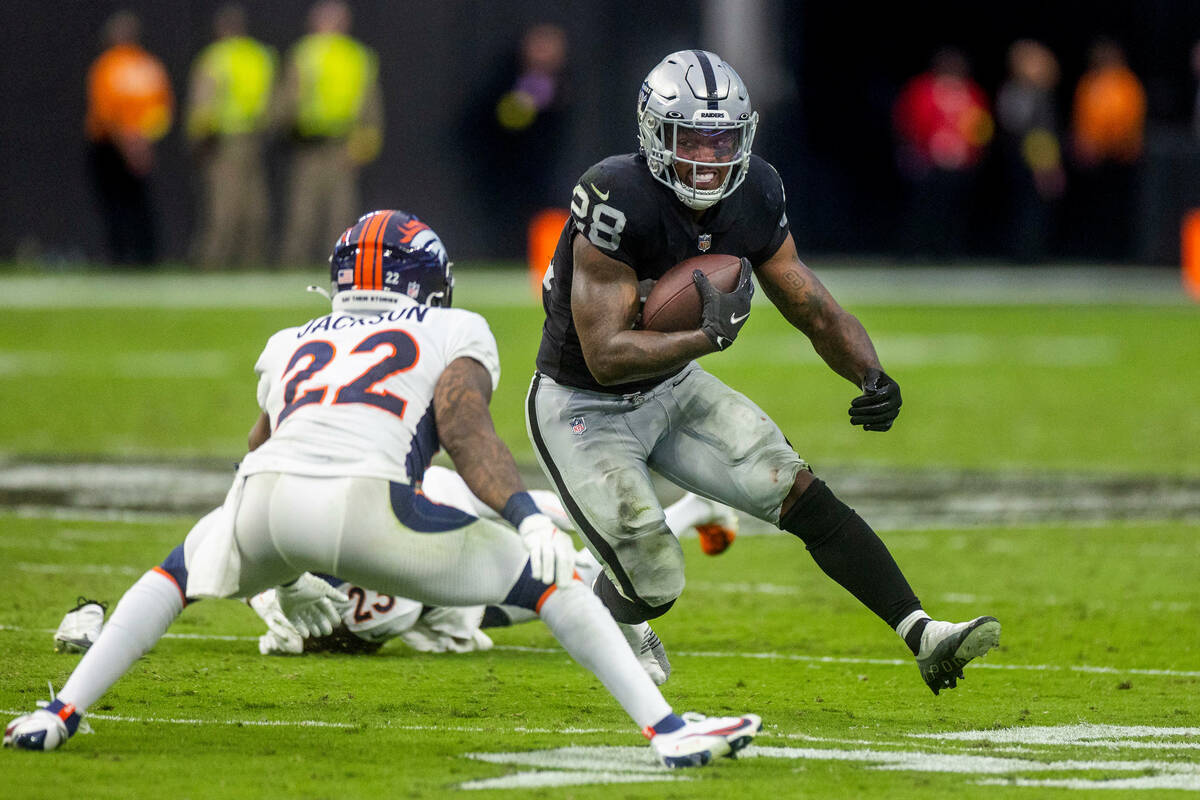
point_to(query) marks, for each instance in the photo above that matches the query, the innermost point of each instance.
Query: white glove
(308, 605)
(551, 552)
(281, 637)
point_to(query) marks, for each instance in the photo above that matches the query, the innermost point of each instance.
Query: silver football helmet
(694, 111)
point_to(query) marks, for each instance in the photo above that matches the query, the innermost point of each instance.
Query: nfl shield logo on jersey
(414, 289)
(704, 241)
(578, 426)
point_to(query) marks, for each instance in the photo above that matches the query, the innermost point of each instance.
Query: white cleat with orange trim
(702, 739)
(44, 729)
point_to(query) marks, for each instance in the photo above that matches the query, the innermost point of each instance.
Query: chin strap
(321, 290)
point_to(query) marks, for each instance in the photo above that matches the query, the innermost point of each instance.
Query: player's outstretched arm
(837, 335)
(604, 305)
(464, 423)
(466, 430)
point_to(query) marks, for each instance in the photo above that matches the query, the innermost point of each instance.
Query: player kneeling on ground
(356, 403)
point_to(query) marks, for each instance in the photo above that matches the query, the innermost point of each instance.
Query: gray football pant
(598, 450)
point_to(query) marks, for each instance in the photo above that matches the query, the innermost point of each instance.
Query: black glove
(723, 315)
(876, 408)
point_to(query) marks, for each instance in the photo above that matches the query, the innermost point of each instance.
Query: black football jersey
(628, 215)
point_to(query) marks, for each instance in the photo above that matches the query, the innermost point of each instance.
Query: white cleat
(80, 628)
(649, 650)
(703, 739)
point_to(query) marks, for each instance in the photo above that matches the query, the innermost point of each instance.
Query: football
(674, 303)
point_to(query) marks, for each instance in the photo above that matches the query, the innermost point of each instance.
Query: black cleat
(947, 647)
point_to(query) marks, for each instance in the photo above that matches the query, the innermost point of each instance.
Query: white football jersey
(351, 393)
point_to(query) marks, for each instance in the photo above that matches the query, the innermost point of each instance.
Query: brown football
(674, 302)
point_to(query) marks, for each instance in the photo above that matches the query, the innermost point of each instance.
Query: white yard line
(882, 662)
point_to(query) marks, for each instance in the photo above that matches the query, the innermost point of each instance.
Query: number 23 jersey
(351, 393)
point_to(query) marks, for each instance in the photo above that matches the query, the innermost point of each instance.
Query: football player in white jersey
(354, 406)
(371, 618)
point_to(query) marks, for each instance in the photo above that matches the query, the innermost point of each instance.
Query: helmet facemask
(711, 145)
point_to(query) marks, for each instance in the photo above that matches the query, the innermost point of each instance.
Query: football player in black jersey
(610, 402)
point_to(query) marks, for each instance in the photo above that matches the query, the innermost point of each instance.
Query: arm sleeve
(269, 365)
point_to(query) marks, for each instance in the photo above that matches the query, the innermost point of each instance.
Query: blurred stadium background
(823, 74)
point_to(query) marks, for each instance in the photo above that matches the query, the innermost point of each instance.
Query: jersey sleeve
(269, 366)
(773, 226)
(473, 338)
(609, 209)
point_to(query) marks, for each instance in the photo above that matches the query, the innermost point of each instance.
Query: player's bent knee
(527, 592)
(816, 514)
(173, 566)
(804, 479)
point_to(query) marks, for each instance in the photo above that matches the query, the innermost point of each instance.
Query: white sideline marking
(882, 662)
(920, 761)
(559, 778)
(91, 569)
(1185, 782)
(216, 637)
(94, 515)
(565, 766)
(574, 766)
(265, 723)
(1087, 734)
(316, 723)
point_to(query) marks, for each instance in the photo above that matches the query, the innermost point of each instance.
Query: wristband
(518, 507)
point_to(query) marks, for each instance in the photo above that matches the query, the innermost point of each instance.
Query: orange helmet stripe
(364, 270)
(378, 244)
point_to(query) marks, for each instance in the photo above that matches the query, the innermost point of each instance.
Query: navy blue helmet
(392, 251)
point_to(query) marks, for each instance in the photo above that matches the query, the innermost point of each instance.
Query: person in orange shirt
(1110, 109)
(1108, 128)
(130, 107)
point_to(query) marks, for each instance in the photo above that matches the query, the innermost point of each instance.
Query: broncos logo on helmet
(392, 251)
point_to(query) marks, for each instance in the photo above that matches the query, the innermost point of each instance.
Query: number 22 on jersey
(400, 354)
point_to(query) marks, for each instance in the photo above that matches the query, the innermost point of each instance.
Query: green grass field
(1093, 693)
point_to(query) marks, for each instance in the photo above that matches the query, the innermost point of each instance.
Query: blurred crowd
(946, 127)
(1065, 162)
(323, 104)
(324, 100)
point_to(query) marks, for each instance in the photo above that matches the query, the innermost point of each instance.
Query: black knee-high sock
(847, 550)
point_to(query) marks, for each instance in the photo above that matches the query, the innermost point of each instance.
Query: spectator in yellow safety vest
(227, 119)
(331, 106)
